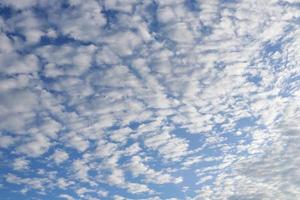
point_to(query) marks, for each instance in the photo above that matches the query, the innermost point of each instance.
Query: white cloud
(137, 188)
(180, 33)
(77, 142)
(66, 197)
(166, 14)
(121, 135)
(15, 64)
(33, 183)
(59, 156)
(35, 146)
(124, 43)
(6, 44)
(66, 60)
(133, 149)
(17, 109)
(133, 98)
(273, 175)
(20, 164)
(81, 169)
(63, 183)
(170, 147)
(116, 177)
(83, 22)
(6, 141)
(17, 82)
(118, 197)
(102, 193)
(137, 168)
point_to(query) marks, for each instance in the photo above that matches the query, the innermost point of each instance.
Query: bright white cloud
(36, 146)
(59, 156)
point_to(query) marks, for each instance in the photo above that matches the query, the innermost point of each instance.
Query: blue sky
(167, 99)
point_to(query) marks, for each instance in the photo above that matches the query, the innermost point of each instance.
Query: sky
(154, 99)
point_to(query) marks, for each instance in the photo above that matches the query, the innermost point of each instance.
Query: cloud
(66, 197)
(117, 178)
(66, 60)
(6, 141)
(78, 143)
(36, 146)
(20, 164)
(81, 169)
(33, 183)
(277, 172)
(60, 156)
(83, 22)
(149, 100)
(63, 183)
(20, 4)
(17, 109)
(137, 168)
(169, 147)
(274, 174)
(16, 64)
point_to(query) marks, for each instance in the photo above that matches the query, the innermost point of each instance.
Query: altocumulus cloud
(158, 99)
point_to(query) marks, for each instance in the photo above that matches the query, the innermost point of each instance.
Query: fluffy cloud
(169, 147)
(6, 141)
(66, 197)
(35, 146)
(83, 22)
(59, 156)
(20, 164)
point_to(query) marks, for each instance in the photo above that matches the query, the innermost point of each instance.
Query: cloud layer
(122, 99)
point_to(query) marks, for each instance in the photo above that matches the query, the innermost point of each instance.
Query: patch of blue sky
(151, 17)
(195, 140)
(256, 79)
(192, 5)
(6, 12)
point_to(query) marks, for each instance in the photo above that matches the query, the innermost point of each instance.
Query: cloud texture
(123, 99)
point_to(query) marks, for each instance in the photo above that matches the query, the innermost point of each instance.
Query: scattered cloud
(20, 164)
(60, 156)
(185, 99)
